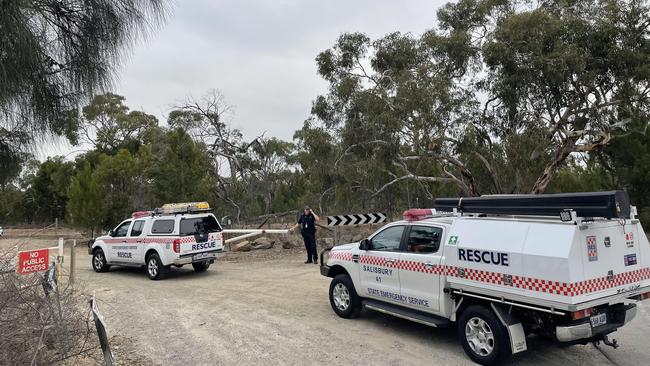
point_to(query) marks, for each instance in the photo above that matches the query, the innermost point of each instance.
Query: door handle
(428, 265)
(389, 260)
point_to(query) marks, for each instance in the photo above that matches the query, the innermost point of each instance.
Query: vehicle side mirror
(111, 233)
(365, 244)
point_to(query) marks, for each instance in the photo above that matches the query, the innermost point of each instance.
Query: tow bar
(613, 343)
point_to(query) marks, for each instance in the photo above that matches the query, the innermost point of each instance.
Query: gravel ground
(268, 308)
(274, 310)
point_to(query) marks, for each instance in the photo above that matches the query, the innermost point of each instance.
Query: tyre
(343, 297)
(99, 261)
(155, 268)
(484, 338)
(201, 266)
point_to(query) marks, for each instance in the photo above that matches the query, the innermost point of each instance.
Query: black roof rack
(610, 204)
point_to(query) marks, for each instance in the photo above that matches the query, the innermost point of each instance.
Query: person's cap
(307, 207)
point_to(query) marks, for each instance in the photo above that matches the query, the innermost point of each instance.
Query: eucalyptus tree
(55, 54)
(495, 99)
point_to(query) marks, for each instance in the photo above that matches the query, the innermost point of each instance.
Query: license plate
(598, 320)
(202, 256)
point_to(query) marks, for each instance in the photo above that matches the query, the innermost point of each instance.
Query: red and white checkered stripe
(344, 256)
(417, 267)
(159, 240)
(496, 278)
(376, 261)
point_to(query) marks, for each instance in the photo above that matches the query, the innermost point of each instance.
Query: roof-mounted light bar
(417, 214)
(139, 214)
(183, 207)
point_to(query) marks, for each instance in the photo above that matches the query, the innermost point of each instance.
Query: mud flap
(514, 327)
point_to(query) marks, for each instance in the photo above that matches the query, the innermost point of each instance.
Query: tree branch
(412, 177)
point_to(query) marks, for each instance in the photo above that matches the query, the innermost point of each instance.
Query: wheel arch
(149, 252)
(467, 301)
(98, 246)
(336, 270)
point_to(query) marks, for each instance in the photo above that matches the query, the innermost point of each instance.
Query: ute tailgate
(190, 245)
(612, 260)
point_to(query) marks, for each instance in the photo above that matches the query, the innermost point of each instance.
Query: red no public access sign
(33, 261)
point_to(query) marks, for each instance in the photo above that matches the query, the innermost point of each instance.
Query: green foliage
(56, 54)
(502, 96)
(47, 195)
(12, 206)
(180, 171)
(123, 183)
(108, 125)
(496, 100)
(626, 164)
(85, 200)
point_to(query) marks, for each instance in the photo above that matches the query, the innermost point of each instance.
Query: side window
(136, 230)
(389, 239)
(122, 230)
(424, 239)
(162, 227)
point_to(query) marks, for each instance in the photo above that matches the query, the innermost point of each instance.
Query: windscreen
(199, 225)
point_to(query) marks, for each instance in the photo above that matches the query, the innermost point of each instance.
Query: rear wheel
(99, 261)
(343, 297)
(201, 266)
(482, 335)
(155, 268)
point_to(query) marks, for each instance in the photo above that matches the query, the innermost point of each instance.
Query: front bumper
(616, 318)
(324, 269)
(205, 257)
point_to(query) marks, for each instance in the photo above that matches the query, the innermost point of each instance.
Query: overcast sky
(259, 54)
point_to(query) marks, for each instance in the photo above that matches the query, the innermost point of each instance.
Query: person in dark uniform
(307, 224)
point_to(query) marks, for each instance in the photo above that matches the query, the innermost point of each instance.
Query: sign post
(32, 261)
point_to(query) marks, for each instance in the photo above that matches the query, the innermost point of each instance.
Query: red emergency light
(416, 214)
(138, 214)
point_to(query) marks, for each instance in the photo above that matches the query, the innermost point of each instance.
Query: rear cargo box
(546, 261)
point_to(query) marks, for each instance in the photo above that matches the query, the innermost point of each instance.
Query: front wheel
(99, 261)
(155, 268)
(482, 335)
(201, 266)
(343, 297)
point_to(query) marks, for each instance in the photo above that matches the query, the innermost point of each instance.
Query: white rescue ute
(565, 266)
(173, 235)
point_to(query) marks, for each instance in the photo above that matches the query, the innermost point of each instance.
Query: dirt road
(256, 310)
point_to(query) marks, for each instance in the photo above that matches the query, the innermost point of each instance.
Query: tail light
(177, 245)
(222, 238)
(644, 296)
(581, 314)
